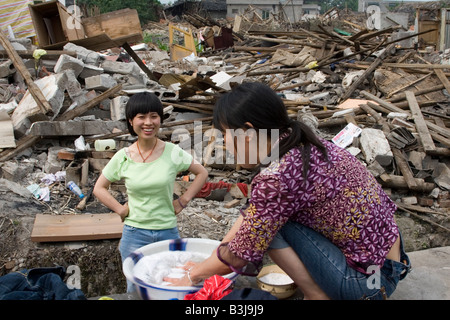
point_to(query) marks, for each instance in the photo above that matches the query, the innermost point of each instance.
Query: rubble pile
(371, 92)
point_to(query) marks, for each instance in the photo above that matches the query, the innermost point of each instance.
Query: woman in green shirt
(149, 168)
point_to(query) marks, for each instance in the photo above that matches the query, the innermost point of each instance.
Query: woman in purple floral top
(320, 215)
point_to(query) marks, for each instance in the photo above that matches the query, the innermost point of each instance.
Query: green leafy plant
(155, 39)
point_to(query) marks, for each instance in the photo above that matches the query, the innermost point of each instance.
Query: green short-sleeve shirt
(149, 186)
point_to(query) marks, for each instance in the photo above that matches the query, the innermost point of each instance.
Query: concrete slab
(429, 278)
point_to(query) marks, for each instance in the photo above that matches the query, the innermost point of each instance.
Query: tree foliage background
(148, 10)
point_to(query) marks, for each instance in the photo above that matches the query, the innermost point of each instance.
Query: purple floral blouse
(339, 199)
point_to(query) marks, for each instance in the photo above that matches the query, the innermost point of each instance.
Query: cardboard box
(54, 25)
(119, 24)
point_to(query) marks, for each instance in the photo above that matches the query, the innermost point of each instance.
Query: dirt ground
(99, 261)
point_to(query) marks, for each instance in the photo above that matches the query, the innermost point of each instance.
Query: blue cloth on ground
(38, 284)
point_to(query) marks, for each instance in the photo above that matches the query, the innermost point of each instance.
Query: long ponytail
(301, 135)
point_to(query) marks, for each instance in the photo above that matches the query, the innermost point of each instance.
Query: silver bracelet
(189, 276)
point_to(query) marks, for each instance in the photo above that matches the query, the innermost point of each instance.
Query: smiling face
(144, 111)
(146, 125)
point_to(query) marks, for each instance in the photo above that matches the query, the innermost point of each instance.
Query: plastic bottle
(75, 189)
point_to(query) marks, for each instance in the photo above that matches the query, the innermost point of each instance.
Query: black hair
(258, 104)
(143, 102)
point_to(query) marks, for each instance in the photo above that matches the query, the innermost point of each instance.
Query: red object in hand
(214, 288)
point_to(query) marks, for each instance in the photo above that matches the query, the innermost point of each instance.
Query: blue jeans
(134, 238)
(328, 267)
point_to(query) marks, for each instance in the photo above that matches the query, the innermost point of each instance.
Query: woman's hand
(185, 280)
(179, 282)
(177, 207)
(123, 213)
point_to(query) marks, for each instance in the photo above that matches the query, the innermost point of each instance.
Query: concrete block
(166, 95)
(87, 56)
(118, 108)
(441, 176)
(84, 97)
(66, 62)
(409, 200)
(6, 68)
(204, 69)
(73, 87)
(120, 67)
(156, 56)
(131, 81)
(52, 87)
(90, 71)
(14, 171)
(374, 143)
(8, 107)
(53, 164)
(76, 128)
(100, 82)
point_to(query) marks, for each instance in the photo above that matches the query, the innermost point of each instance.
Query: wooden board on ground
(52, 228)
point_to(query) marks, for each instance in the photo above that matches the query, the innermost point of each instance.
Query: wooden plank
(421, 126)
(71, 24)
(399, 182)
(78, 227)
(6, 131)
(406, 171)
(115, 24)
(390, 94)
(441, 75)
(367, 73)
(22, 144)
(416, 65)
(393, 108)
(139, 62)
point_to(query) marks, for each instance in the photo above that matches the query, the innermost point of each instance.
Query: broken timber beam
(440, 74)
(400, 160)
(41, 101)
(69, 115)
(401, 95)
(139, 62)
(367, 72)
(22, 144)
(399, 182)
(421, 126)
(416, 65)
(393, 108)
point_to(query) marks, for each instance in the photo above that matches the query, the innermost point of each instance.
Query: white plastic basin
(151, 291)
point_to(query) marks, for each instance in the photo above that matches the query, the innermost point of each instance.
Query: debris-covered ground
(391, 97)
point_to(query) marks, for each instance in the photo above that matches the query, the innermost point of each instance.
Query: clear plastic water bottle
(75, 189)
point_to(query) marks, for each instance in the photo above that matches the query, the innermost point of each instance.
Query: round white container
(150, 291)
(105, 145)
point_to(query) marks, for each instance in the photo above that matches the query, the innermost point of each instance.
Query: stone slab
(429, 278)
